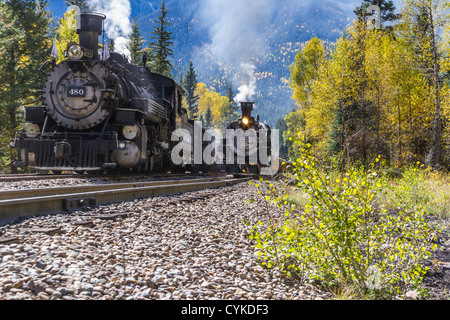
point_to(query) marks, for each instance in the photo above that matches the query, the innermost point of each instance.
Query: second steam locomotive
(250, 142)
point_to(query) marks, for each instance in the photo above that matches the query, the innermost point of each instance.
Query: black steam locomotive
(101, 114)
(250, 143)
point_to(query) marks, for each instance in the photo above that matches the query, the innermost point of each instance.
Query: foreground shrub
(342, 238)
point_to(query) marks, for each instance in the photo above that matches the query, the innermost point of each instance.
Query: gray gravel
(165, 249)
(50, 183)
(82, 181)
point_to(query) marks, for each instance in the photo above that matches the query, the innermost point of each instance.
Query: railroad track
(36, 176)
(23, 177)
(23, 203)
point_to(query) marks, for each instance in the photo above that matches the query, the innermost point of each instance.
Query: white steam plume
(248, 89)
(117, 23)
(236, 29)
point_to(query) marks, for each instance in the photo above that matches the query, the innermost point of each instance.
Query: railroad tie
(9, 240)
(48, 231)
(110, 216)
(84, 223)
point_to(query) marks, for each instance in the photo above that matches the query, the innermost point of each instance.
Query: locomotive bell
(89, 27)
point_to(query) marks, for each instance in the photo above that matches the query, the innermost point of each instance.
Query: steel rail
(31, 177)
(29, 193)
(14, 208)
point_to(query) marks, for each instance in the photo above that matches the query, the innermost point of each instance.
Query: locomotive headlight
(31, 130)
(75, 52)
(122, 145)
(130, 132)
(245, 121)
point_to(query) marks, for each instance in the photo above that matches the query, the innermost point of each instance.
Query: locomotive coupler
(109, 165)
(62, 150)
(20, 164)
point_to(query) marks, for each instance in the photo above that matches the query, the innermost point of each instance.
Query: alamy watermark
(238, 147)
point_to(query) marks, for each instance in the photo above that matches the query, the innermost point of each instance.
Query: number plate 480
(76, 92)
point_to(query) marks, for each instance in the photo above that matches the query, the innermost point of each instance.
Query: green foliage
(419, 188)
(161, 43)
(136, 43)
(296, 125)
(190, 84)
(24, 46)
(283, 127)
(208, 121)
(387, 9)
(336, 140)
(234, 113)
(82, 4)
(343, 237)
(66, 33)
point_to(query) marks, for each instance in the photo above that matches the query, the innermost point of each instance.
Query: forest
(380, 91)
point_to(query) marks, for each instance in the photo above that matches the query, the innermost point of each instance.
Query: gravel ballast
(193, 246)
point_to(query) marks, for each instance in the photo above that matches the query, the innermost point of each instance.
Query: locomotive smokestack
(246, 108)
(89, 27)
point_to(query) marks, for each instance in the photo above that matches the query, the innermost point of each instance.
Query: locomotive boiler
(100, 113)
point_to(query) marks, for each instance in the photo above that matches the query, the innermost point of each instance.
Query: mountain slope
(276, 36)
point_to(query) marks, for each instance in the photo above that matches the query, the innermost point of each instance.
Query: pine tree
(335, 142)
(82, 4)
(190, 84)
(160, 44)
(111, 46)
(234, 108)
(202, 120)
(24, 46)
(181, 81)
(136, 43)
(208, 119)
(9, 38)
(387, 9)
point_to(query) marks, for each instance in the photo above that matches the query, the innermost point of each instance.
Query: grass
(432, 191)
(297, 197)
